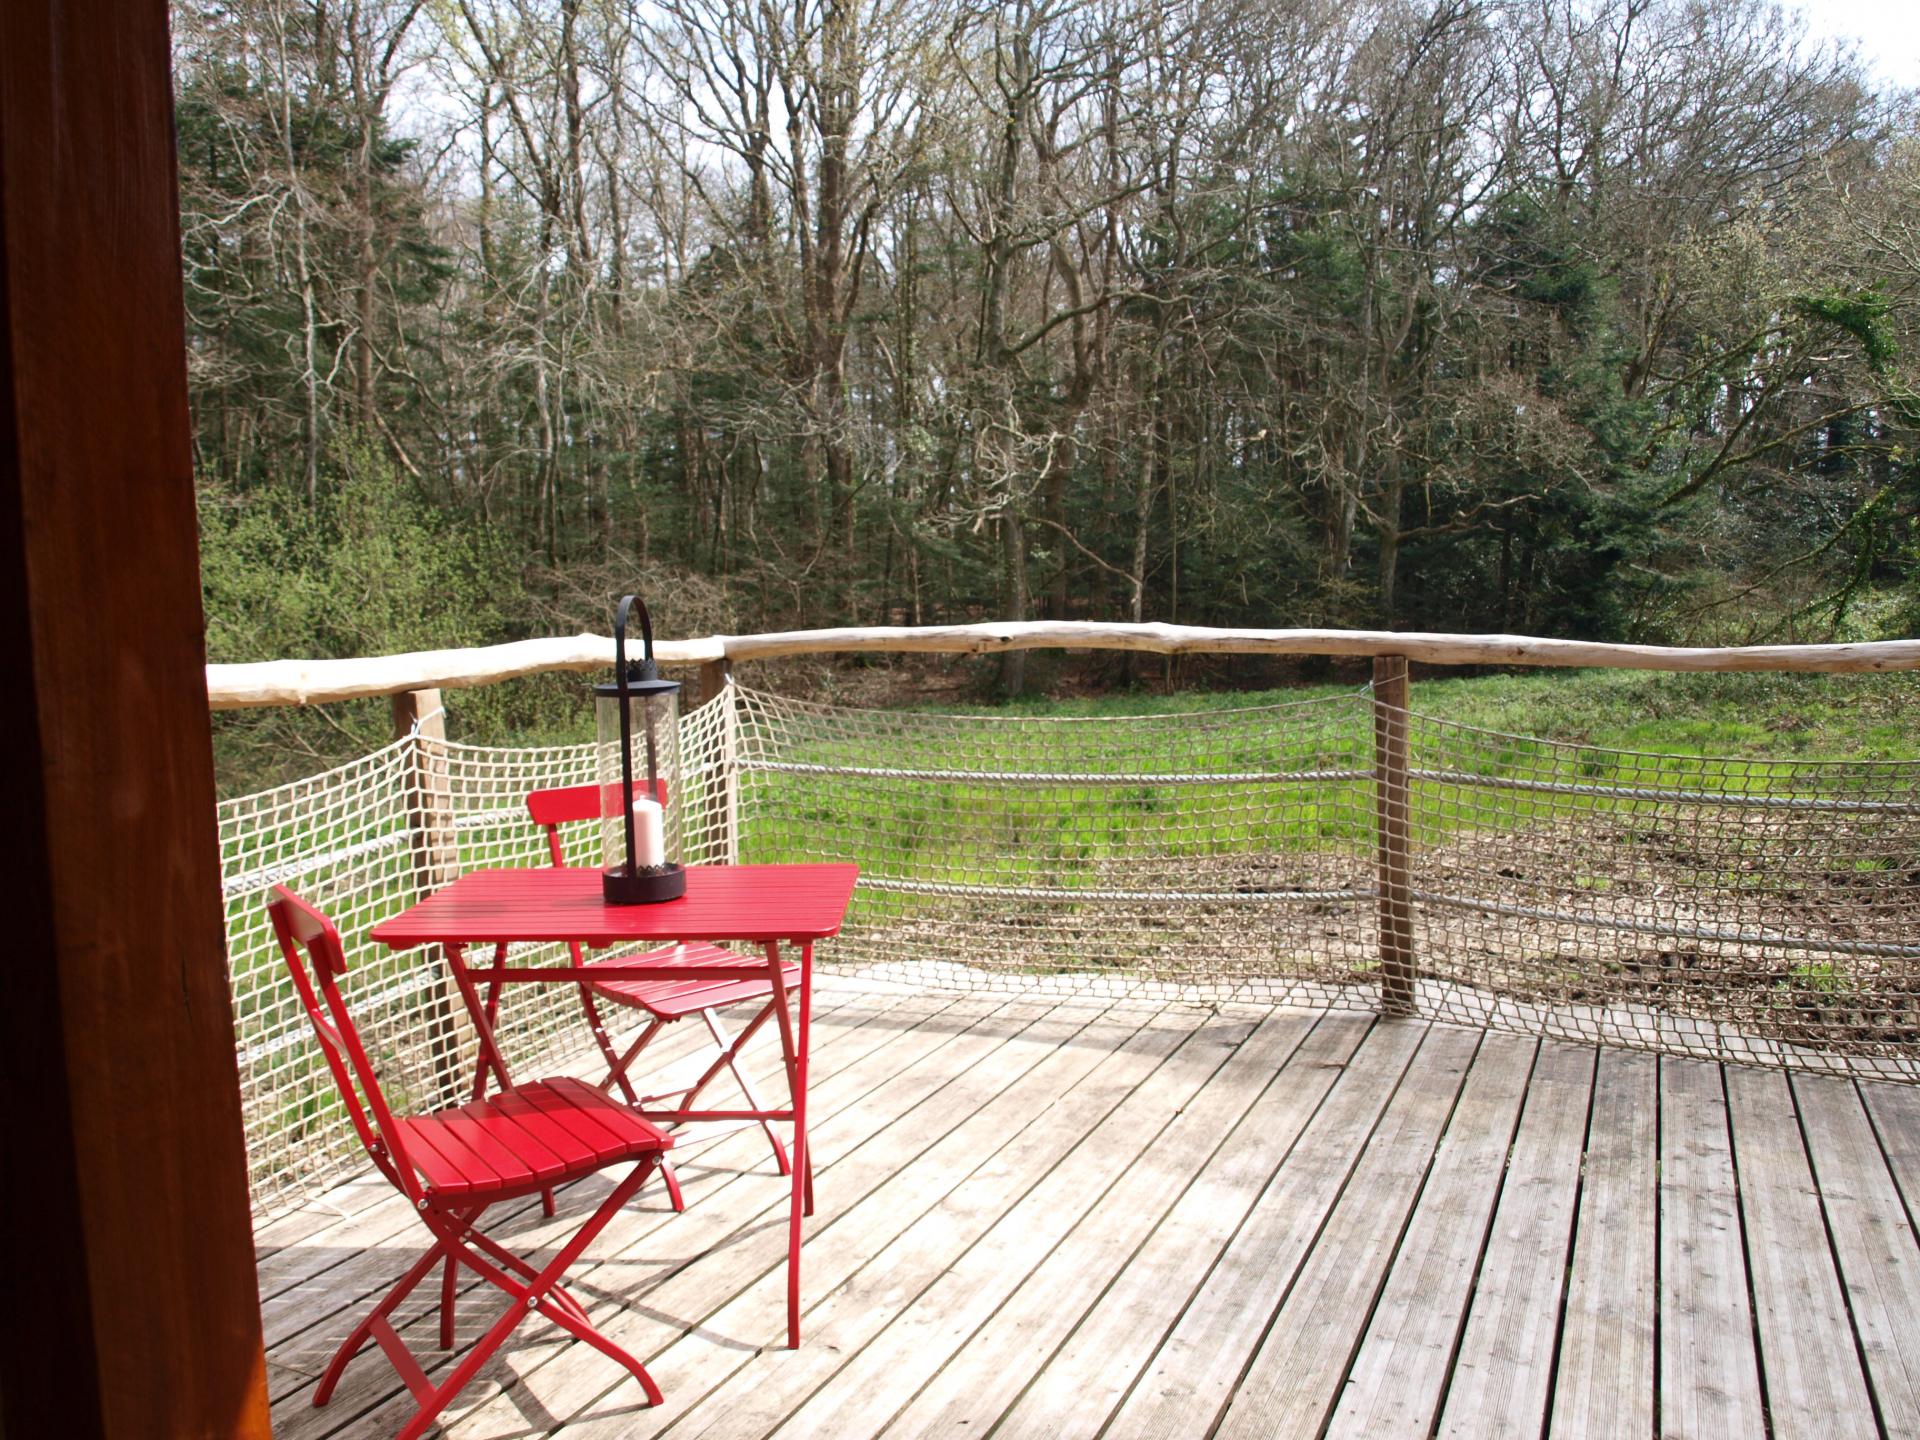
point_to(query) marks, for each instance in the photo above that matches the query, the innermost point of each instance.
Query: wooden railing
(415, 680)
(312, 682)
(415, 684)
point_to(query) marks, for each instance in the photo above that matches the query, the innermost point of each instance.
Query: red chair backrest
(568, 803)
(316, 959)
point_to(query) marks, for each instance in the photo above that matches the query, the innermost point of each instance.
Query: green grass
(1771, 717)
(1600, 729)
(1761, 716)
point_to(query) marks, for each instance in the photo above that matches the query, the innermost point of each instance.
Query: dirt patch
(1784, 930)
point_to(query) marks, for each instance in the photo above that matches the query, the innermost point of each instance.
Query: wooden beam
(723, 833)
(419, 718)
(1393, 834)
(1421, 647)
(124, 1225)
(715, 676)
(311, 682)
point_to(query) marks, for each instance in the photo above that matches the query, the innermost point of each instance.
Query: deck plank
(1192, 1375)
(1400, 1371)
(1045, 1217)
(1504, 1368)
(1709, 1374)
(339, 1268)
(1896, 1119)
(1873, 1240)
(1604, 1383)
(1815, 1387)
(861, 1073)
(696, 1332)
(372, 1214)
(1295, 1376)
(1114, 1340)
(290, 1226)
(934, 1305)
(1007, 1350)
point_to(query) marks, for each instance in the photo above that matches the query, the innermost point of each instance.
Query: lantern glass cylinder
(653, 759)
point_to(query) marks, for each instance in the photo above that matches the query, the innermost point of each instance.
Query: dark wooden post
(1394, 836)
(716, 683)
(125, 1234)
(418, 716)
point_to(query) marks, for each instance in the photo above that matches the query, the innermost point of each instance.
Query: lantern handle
(621, 681)
(647, 669)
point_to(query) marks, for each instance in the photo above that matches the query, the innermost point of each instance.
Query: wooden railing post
(716, 683)
(1393, 881)
(419, 718)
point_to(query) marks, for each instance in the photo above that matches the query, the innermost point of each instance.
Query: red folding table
(765, 905)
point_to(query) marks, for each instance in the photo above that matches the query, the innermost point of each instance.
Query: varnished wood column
(124, 1231)
(1393, 834)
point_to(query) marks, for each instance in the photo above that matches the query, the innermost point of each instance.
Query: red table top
(723, 902)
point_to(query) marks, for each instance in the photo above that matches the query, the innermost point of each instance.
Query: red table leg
(794, 1048)
(482, 1013)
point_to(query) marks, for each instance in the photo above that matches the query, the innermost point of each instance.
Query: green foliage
(371, 568)
(1259, 352)
(1862, 314)
(368, 569)
(1535, 255)
(1883, 533)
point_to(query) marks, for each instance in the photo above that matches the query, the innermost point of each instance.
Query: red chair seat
(663, 998)
(669, 999)
(531, 1137)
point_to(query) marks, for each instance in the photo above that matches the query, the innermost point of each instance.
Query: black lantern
(639, 832)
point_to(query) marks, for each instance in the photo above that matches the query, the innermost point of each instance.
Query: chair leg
(720, 1061)
(491, 1010)
(582, 1329)
(616, 1067)
(730, 1052)
(617, 1074)
(678, 1200)
(620, 1066)
(499, 1253)
(449, 1276)
(535, 1296)
(363, 1332)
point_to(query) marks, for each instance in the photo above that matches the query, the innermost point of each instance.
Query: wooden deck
(1060, 1220)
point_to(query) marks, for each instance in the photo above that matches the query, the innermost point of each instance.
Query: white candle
(649, 832)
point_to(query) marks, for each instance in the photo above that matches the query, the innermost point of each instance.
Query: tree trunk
(1392, 501)
(1013, 540)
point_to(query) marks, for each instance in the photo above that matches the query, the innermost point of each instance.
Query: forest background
(1591, 318)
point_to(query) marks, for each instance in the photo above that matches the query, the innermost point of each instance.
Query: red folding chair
(454, 1163)
(666, 1000)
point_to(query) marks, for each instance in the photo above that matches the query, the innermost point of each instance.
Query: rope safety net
(1749, 910)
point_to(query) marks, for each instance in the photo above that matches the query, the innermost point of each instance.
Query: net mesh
(1746, 910)
(1759, 910)
(1224, 853)
(363, 842)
